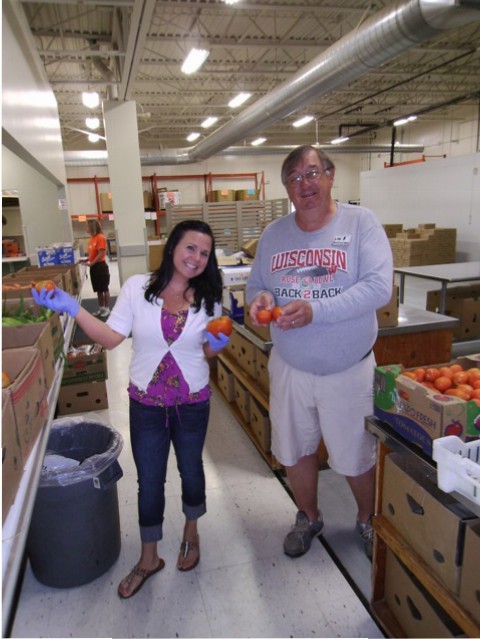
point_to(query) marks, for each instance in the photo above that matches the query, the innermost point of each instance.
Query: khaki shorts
(304, 408)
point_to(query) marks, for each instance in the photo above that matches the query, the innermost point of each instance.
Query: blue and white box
(47, 256)
(65, 254)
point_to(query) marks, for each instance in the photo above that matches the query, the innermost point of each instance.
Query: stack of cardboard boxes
(423, 245)
(462, 302)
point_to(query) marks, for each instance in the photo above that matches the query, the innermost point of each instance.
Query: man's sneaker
(104, 312)
(97, 313)
(366, 532)
(299, 539)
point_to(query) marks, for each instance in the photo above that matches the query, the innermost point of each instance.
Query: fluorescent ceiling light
(193, 136)
(401, 121)
(239, 100)
(339, 140)
(90, 99)
(92, 123)
(93, 137)
(258, 141)
(208, 122)
(305, 120)
(194, 60)
(231, 1)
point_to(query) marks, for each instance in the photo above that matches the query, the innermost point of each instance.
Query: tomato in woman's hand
(276, 313)
(44, 284)
(264, 316)
(221, 324)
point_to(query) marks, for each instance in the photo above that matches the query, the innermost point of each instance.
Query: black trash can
(74, 534)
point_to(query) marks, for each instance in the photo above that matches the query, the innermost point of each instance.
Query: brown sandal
(189, 548)
(143, 573)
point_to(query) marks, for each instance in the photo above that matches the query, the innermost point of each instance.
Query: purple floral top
(168, 386)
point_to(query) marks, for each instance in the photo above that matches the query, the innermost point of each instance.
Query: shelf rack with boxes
(242, 377)
(419, 587)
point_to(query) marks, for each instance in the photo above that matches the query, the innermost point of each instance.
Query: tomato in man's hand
(276, 313)
(221, 324)
(264, 316)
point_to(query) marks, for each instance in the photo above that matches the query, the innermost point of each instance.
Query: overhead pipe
(378, 40)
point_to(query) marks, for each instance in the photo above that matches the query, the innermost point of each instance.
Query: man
(329, 266)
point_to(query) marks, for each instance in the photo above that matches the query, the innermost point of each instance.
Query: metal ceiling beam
(378, 40)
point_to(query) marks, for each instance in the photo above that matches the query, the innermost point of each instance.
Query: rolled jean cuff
(151, 533)
(193, 513)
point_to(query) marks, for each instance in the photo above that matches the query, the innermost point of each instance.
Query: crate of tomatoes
(425, 403)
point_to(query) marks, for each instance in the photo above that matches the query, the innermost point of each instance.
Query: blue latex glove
(56, 300)
(217, 343)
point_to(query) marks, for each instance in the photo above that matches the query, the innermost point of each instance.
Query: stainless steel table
(443, 273)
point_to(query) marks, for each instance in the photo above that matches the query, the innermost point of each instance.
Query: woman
(99, 271)
(167, 313)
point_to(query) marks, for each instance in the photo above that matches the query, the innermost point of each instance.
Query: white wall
(30, 123)
(44, 223)
(446, 192)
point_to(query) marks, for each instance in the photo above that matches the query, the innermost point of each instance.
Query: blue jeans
(152, 428)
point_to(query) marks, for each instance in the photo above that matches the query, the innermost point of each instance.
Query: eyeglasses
(311, 175)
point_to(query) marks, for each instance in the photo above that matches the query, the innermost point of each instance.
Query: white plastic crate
(458, 466)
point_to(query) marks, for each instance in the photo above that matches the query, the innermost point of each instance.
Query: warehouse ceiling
(129, 50)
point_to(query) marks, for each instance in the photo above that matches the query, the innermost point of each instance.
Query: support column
(121, 132)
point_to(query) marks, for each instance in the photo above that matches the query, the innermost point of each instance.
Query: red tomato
(455, 392)
(47, 284)
(419, 374)
(277, 311)
(221, 324)
(431, 374)
(264, 316)
(443, 383)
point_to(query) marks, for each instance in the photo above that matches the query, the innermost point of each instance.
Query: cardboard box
(388, 314)
(28, 394)
(222, 195)
(38, 336)
(81, 398)
(12, 464)
(242, 399)
(419, 414)
(148, 200)
(250, 247)
(235, 275)
(261, 369)
(242, 351)
(225, 381)
(462, 302)
(247, 194)
(85, 363)
(16, 286)
(260, 425)
(168, 197)
(155, 255)
(413, 607)
(65, 254)
(12, 307)
(470, 579)
(47, 255)
(106, 203)
(72, 283)
(418, 510)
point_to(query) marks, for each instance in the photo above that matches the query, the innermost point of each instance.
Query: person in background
(99, 271)
(167, 313)
(329, 266)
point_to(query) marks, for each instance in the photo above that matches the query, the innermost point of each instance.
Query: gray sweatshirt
(344, 270)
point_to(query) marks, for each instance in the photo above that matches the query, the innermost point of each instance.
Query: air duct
(378, 40)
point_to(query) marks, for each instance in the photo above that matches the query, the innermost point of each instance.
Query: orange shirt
(95, 245)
